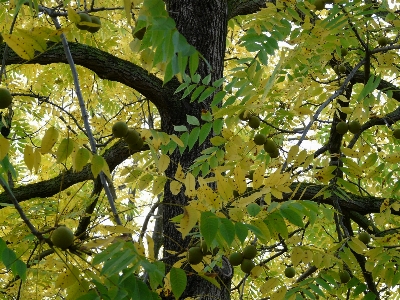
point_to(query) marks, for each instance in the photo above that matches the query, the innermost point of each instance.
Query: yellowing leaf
(303, 111)
(163, 162)
(357, 246)
(258, 176)
(81, 158)
(106, 169)
(118, 229)
(64, 150)
(269, 285)
(38, 159)
(158, 184)
(179, 175)
(279, 294)
(190, 217)
(67, 278)
(97, 165)
(190, 185)
(150, 246)
(240, 180)
(29, 158)
(393, 158)
(177, 140)
(73, 15)
(4, 146)
(18, 45)
(296, 255)
(175, 187)
(49, 139)
(292, 153)
(217, 140)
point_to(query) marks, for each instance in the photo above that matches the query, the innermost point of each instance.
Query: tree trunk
(204, 24)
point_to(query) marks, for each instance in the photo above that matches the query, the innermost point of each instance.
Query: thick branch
(240, 7)
(47, 188)
(106, 66)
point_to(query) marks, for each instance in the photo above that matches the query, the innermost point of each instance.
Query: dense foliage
(243, 145)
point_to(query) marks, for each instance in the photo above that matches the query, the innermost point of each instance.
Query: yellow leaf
(158, 185)
(64, 150)
(269, 285)
(81, 158)
(117, 229)
(99, 242)
(38, 159)
(73, 16)
(150, 246)
(317, 259)
(292, 153)
(175, 187)
(177, 140)
(357, 246)
(303, 111)
(277, 194)
(258, 176)
(347, 110)
(393, 158)
(350, 152)
(189, 220)
(179, 175)
(29, 158)
(144, 181)
(217, 140)
(163, 162)
(301, 158)
(128, 6)
(49, 139)
(4, 146)
(106, 169)
(97, 165)
(296, 255)
(223, 187)
(240, 180)
(18, 45)
(279, 294)
(190, 185)
(35, 41)
(67, 278)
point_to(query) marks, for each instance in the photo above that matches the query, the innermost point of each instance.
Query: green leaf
(276, 225)
(227, 230)
(218, 98)
(241, 231)
(64, 150)
(206, 80)
(97, 164)
(180, 128)
(219, 82)
(292, 215)
(206, 94)
(20, 269)
(118, 262)
(209, 225)
(178, 281)
(217, 126)
(193, 63)
(197, 92)
(82, 156)
(107, 253)
(193, 137)
(192, 120)
(204, 132)
(8, 257)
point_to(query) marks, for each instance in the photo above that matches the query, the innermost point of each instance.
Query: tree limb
(106, 66)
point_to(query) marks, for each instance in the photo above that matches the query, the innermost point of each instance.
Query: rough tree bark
(204, 25)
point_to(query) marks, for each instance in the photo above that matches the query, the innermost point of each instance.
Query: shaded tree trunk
(204, 24)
